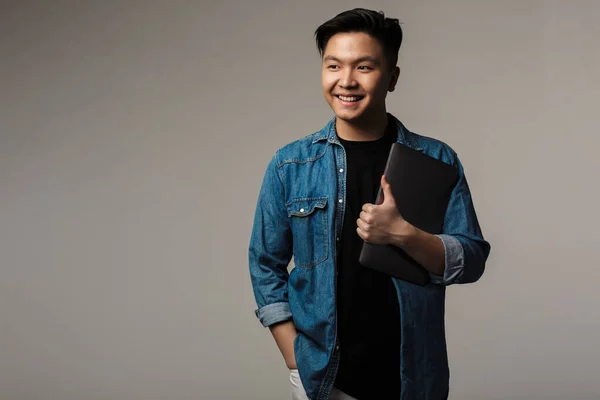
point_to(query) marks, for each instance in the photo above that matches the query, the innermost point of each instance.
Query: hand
(382, 224)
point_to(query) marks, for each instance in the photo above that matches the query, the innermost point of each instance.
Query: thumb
(387, 191)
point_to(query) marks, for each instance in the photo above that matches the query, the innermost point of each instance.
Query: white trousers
(298, 392)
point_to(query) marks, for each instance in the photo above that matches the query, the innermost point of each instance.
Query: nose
(346, 80)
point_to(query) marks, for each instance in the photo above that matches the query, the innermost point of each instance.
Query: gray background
(134, 138)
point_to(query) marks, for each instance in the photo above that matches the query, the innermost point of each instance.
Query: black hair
(386, 30)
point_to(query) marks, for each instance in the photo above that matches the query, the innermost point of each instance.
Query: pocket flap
(304, 207)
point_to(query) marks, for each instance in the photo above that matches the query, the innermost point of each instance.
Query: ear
(394, 79)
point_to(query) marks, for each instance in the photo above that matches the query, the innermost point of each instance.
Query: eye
(364, 68)
(332, 66)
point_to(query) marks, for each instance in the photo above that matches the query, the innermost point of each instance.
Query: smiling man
(346, 331)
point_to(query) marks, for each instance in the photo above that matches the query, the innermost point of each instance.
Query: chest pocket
(308, 218)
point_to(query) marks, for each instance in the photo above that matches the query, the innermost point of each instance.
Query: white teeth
(344, 98)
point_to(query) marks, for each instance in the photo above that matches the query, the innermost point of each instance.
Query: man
(346, 331)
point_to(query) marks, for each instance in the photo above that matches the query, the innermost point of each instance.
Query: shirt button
(341, 169)
(341, 200)
(302, 210)
(337, 239)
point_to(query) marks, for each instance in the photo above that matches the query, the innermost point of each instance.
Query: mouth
(349, 99)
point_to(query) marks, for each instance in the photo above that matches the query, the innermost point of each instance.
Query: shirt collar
(405, 137)
(327, 133)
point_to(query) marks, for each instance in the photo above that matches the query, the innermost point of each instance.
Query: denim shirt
(299, 214)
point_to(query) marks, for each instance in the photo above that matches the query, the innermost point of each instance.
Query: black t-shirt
(368, 310)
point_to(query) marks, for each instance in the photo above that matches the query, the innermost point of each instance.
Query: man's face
(356, 76)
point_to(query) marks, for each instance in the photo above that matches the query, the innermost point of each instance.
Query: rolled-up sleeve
(466, 251)
(270, 250)
(273, 313)
(454, 260)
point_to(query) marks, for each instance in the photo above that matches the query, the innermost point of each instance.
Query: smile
(350, 99)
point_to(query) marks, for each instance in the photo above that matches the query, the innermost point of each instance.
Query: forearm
(425, 248)
(284, 334)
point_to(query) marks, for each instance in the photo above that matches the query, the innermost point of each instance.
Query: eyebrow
(357, 61)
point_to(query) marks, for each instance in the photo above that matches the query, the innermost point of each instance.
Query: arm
(425, 248)
(284, 334)
(270, 252)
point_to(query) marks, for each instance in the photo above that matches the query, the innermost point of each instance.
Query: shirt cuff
(454, 261)
(273, 313)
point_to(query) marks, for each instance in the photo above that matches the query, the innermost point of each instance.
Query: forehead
(353, 45)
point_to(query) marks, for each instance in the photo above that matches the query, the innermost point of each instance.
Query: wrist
(404, 233)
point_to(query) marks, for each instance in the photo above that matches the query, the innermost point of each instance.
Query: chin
(349, 115)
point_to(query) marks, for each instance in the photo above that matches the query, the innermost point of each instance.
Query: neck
(367, 129)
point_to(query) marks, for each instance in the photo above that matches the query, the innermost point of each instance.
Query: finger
(363, 235)
(365, 217)
(387, 190)
(362, 225)
(368, 207)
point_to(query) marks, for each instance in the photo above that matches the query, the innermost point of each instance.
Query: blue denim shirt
(299, 214)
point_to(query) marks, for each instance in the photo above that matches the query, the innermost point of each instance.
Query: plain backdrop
(134, 138)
